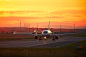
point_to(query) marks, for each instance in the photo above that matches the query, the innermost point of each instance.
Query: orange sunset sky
(59, 12)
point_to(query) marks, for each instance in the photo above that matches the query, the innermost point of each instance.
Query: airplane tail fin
(49, 26)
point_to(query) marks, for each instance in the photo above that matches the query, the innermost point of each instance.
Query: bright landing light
(44, 37)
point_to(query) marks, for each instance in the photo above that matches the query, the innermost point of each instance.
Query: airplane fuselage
(46, 33)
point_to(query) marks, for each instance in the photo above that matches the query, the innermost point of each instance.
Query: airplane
(45, 34)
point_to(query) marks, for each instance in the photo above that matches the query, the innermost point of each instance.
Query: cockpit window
(45, 32)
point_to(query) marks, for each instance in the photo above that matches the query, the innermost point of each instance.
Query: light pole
(29, 27)
(24, 24)
(60, 28)
(74, 27)
(20, 24)
(37, 26)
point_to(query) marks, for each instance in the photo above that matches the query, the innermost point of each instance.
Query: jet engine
(56, 37)
(36, 37)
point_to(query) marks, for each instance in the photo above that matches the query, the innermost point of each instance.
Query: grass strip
(41, 52)
(78, 35)
(83, 43)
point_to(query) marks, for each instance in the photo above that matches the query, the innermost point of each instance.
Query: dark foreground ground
(42, 52)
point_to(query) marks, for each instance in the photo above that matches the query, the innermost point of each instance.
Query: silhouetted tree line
(2, 32)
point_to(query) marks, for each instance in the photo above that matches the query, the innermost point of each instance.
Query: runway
(49, 43)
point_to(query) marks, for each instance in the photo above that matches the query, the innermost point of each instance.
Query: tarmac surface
(64, 40)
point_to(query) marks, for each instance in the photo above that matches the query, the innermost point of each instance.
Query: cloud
(20, 13)
(69, 11)
(12, 20)
(75, 15)
(54, 17)
(17, 18)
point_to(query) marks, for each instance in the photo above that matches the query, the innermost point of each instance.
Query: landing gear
(40, 39)
(45, 39)
(53, 39)
(36, 37)
(56, 37)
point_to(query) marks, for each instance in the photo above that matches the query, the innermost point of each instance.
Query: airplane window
(45, 32)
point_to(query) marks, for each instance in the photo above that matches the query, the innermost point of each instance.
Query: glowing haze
(59, 12)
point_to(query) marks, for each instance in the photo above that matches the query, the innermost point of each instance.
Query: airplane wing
(56, 34)
(28, 34)
(62, 34)
(42, 34)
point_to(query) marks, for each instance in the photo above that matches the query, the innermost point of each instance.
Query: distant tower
(49, 26)
(37, 26)
(20, 24)
(24, 24)
(60, 28)
(74, 27)
(29, 27)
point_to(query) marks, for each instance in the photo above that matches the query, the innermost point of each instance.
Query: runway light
(44, 37)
